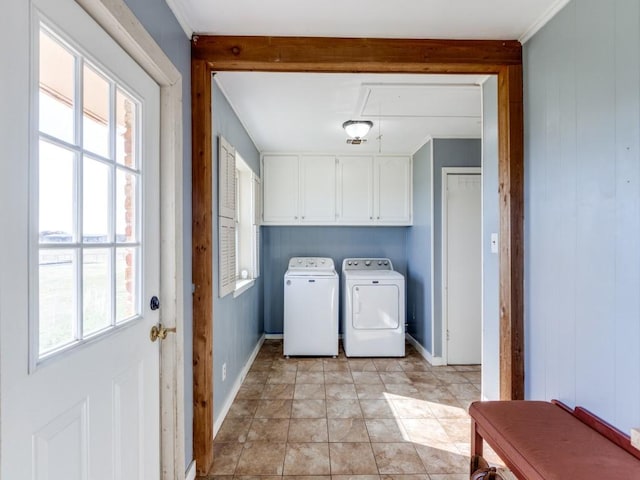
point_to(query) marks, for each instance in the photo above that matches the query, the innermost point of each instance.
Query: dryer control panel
(311, 263)
(366, 264)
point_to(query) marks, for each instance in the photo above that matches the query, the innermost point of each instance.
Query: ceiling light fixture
(357, 128)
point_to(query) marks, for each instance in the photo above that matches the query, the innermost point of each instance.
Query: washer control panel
(311, 263)
(367, 264)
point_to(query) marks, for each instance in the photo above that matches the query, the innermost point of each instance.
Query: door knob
(160, 332)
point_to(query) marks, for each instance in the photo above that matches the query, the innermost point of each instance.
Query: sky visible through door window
(88, 208)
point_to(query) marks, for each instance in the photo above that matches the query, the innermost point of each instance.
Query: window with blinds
(226, 217)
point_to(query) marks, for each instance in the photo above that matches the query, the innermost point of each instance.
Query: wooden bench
(549, 441)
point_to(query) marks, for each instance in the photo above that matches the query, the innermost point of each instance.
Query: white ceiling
(301, 112)
(304, 112)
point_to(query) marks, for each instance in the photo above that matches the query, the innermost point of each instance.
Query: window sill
(242, 286)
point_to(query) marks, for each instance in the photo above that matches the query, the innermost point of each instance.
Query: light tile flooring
(366, 419)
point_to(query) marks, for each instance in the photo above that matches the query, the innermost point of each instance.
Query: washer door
(375, 307)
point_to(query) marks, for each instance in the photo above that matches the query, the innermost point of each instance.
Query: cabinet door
(280, 188)
(393, 190)
(355, 192)
(318, 189)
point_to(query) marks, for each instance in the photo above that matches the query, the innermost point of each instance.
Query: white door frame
(120, 23)
(445, 314)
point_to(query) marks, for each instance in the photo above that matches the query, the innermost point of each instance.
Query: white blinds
(226, 217)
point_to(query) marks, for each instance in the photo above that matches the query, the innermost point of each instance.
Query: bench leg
(476, 440)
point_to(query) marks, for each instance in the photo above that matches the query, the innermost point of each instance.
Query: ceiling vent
(356, 141)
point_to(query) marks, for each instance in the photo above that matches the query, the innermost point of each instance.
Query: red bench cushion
(547, 443)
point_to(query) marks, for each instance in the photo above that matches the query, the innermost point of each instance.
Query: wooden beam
(349, 55)
(511, 191)
(202, 255)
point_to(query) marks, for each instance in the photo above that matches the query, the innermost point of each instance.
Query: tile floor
(348, 418)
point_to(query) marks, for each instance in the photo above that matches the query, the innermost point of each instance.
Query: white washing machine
(311, 288)
(373, 308)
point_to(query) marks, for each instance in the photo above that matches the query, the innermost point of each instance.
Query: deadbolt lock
(160, 332)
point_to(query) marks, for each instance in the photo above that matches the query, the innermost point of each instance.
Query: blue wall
(419, 250)
(490, 261)
(281, 243)
(446, 153)
(159, 21)
(582, 217)
(237, 322)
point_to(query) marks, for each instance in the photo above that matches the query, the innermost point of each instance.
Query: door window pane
(126, 283)
(95, 112)
(56, 193)
(126, 202)
(96, 289)
(57, 89)
(95, 204)
(125, 130)
(57, 287)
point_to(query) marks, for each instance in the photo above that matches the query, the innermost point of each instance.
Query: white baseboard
(191, 472)
(236, 386)
(435, 361)
(273, 336)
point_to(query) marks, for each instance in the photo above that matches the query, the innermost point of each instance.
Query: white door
(461, 225)
(375, 307)
(393, 190)
(355, 190)
(318, 189)
(280, 188)
(80, 260)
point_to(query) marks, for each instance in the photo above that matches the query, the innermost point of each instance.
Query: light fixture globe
(357, 128)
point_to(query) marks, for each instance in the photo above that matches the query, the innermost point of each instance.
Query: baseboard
(434, 361)
(191, 472)
(273, 336)
(236, 387)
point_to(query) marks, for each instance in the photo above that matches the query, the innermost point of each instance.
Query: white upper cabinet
(342, 190)
(280, 188)
(318, 189)
(355, 190)
(392, 190)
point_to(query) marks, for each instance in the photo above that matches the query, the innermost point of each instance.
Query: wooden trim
(202, 255)
(511, 192)
(350, 55)
(353, 55)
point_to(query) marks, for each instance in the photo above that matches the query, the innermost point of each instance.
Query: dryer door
(375, 307)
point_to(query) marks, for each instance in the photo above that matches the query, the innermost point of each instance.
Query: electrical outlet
(635, 437)
(224, 371)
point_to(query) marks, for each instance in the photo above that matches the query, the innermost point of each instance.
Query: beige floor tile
(309, 409)
(274, 409)
(425, 431)
(336, 365)
(256, 378)
(257, 477)
(377, 409)
(464, 390)
(347, 430)
(307, 477)
(345, 391)
(225, 458)
(450, 377)
(414, 365)
(402, 390)
(282, 376)
(352, 459)
(386, 430)
(411, 408)
(278, 391)
(309, 391)
(452, 476)
(371, 392)
(343, 409)
(418, 476)
(468, 368)
(233, 430)
(425, 378)
(268, 430)
(338, 377)
(311, 365)
(308, 430)
(366, 378)
(397, 458)
(307, 459)
(458, 429)
(394, 377)
(261, 458)
(242, 408)
(473, 377)
(387, 365)
(362, 365)
(280, 365)
(440, 410)
(355, 477)
(250, 392)
(261, 366)
(309, 377)
(442, 458)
